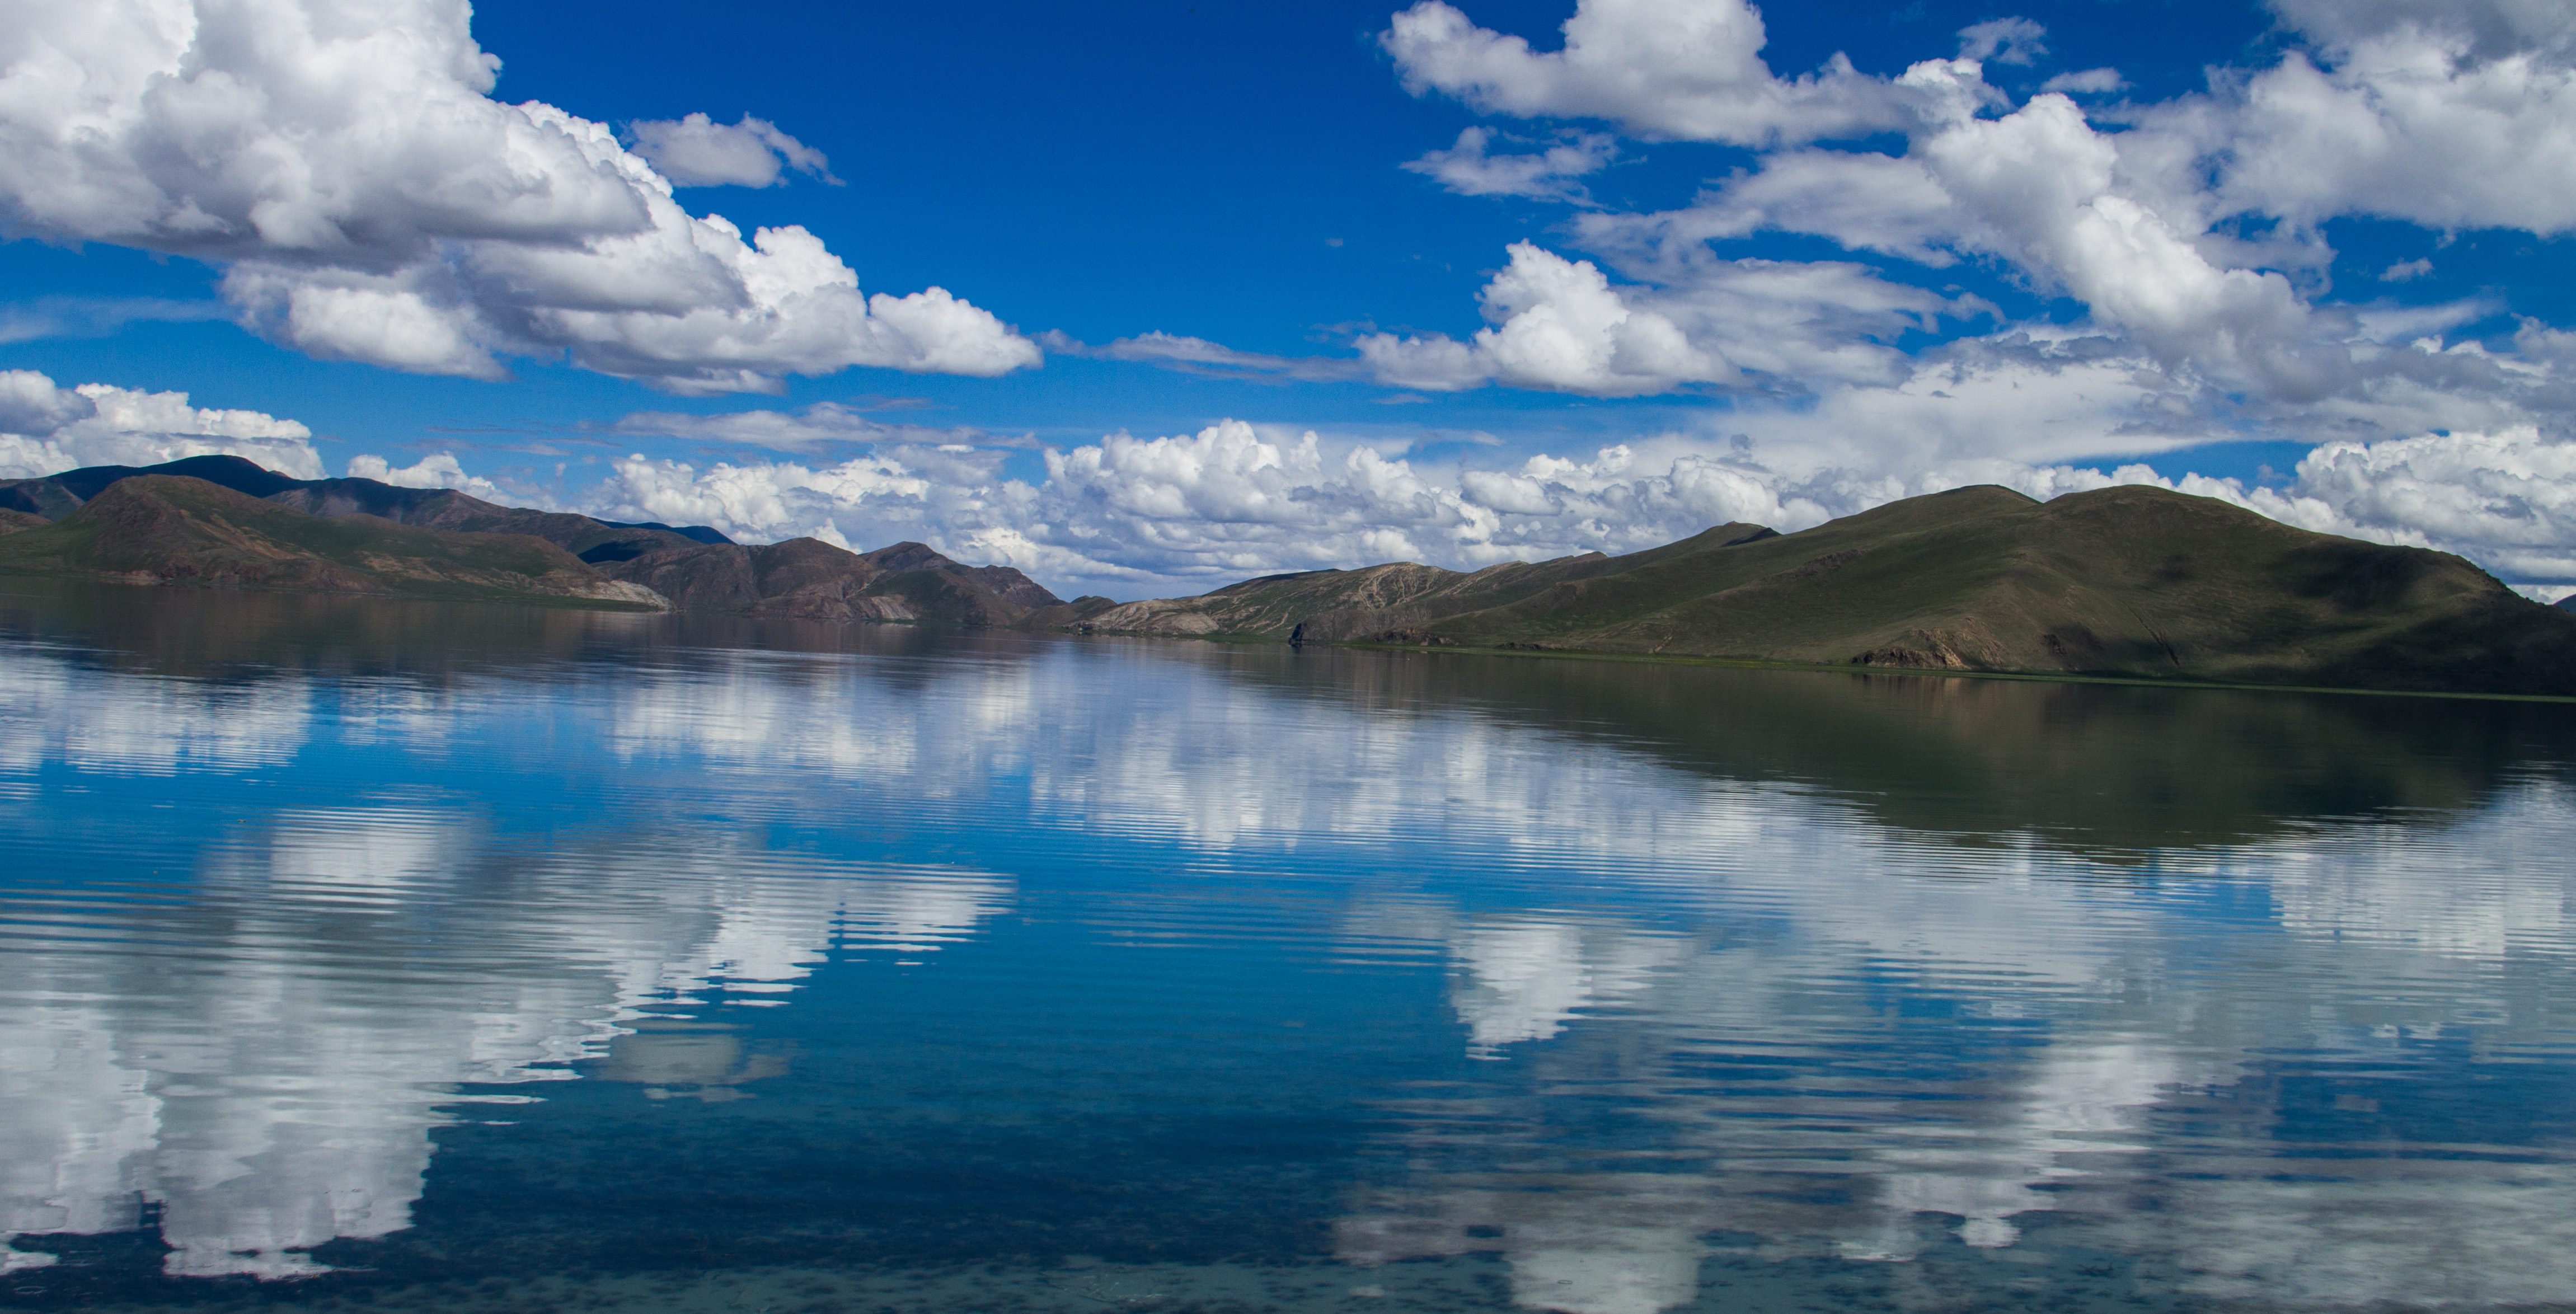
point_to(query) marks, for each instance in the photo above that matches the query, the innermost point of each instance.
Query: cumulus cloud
(437, 470)
(2042, 188)
(2135, 224)
(1547, 175)
(1560, 325)
(1182, 513)
(2445, 115)
(2485, 29)
(1683, 69)
(2452, 115)
(46, 429)
(2506, 500)
(1136, 517)
(696, 151)
(370, 201)
(2451, 124)
(1557, 324)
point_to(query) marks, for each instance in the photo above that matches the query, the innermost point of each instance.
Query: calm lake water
(398, 956)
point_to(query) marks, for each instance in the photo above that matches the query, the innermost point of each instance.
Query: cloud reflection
(2071, 1023)
(266, 1064)
(1719, 992)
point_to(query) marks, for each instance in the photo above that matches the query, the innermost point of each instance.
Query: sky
(1145, 299)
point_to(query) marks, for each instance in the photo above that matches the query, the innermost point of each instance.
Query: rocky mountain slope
(2121, 581)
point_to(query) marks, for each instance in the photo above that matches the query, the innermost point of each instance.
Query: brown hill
(2128, 581)
(164, 529)
(58, 495)
(445, 508)
(694, 568)
(809, 579)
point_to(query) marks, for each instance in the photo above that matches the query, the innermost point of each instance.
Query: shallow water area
(360, 954)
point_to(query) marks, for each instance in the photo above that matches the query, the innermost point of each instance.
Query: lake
(360, 954)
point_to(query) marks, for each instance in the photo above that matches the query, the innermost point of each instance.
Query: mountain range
(225, 521)
(2136, 582)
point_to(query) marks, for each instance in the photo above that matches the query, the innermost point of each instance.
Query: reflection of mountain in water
(261, 1053)
(2101, 768)
(1875, 1057)
(1797, 965)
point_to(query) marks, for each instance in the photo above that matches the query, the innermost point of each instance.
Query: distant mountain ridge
(2128, 581)
(225, 521)
(2131, 581)
(58, 495)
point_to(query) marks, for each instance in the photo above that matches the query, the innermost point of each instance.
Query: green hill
(2131, 581)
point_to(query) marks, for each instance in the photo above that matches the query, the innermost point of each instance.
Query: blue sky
(1234, 174)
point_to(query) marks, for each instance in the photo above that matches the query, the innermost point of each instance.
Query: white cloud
(2410, 122)
(1125, 514)
(1137, 516)
(1547, 175)
(695, 151)
(437, 470)
(370, 201)
(2406, 269)
(2485, 29)
(1183, 513)
(2506, 500)
(2039, 183)
(2446, 115)
(2451, 115)
(1681, 69)
(953, 497)
(1560, 325)
(45, 430)
(2003, 41)
(1557, 324)
(2088, 82)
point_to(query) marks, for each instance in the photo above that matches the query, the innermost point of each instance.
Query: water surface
(412, 956)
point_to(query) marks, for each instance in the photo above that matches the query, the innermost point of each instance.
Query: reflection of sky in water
(266, 927)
